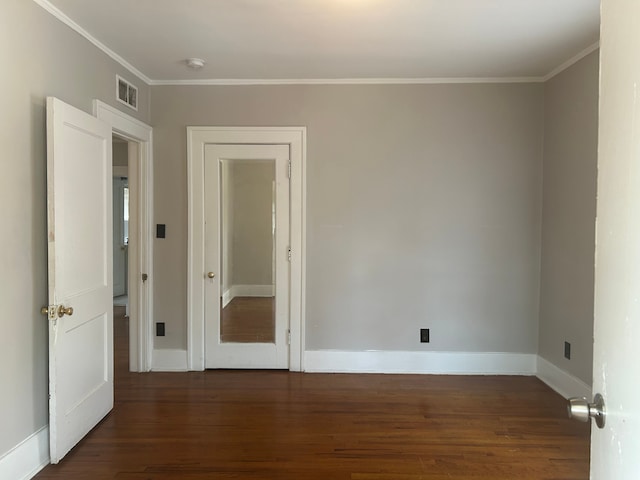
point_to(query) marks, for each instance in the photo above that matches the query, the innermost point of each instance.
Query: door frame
(140, 137)
(197, 138)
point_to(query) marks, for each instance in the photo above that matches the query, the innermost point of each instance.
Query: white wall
(424, 206)
(41, 57)
(569, 212)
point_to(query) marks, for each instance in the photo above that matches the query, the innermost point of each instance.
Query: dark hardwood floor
(280, 425)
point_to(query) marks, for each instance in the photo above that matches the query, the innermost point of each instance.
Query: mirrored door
(247, 244)
(247, 274)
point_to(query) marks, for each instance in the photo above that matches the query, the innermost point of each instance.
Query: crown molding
(575, 59)
(345, 81)
(57, 13)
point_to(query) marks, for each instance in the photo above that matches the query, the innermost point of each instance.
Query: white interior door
(225, 279)
(119, 244)
(615, 449)
(80, 312)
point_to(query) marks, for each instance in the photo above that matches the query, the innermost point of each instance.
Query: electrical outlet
(424, 335)
(160, 329)
(567, 350)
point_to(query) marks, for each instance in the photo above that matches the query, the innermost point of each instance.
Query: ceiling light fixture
(195, 63)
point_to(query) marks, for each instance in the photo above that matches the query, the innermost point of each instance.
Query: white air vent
(126, 93)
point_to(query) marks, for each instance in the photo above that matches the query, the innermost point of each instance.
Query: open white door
(615, 449)
(80, 312)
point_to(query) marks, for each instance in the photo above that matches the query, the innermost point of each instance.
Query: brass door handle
(52, 311)
(211, 275)
(62, 311)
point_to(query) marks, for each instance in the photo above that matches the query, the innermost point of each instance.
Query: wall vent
(126, 93)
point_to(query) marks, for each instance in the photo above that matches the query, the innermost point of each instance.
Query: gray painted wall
(42, 57)
(424, 209)
(120, 153)
(569, 211)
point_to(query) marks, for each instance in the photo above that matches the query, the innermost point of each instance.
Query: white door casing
(80, 274)
(615, 450)
(197, 138)
(140, 249)
(245, 355)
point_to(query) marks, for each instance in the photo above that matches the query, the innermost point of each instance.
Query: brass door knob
(62, 311)
(211, 275)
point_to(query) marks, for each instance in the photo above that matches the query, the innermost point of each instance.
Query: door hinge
(289, 170)
(289, 337)
(144, 277)
(289, 253)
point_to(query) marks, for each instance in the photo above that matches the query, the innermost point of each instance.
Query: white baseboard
(27, 458)
(226, 297)
(247, 291)
(455, 363)
(169, 360)
(252, 291)
(562, 382)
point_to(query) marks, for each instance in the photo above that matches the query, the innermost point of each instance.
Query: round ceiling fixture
(195, 63)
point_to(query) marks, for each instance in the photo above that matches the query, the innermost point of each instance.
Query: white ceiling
(339, 39)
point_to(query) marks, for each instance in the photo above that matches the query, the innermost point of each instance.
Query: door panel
(244, 280)
(616, 370)
(80, 274)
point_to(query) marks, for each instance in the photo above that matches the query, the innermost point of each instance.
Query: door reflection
(247, 234)
(248, 320)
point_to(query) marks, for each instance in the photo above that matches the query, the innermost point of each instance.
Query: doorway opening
(121, 313)
(135, 244)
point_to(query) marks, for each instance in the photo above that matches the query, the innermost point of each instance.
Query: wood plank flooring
(249, 320)
(280, 425)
